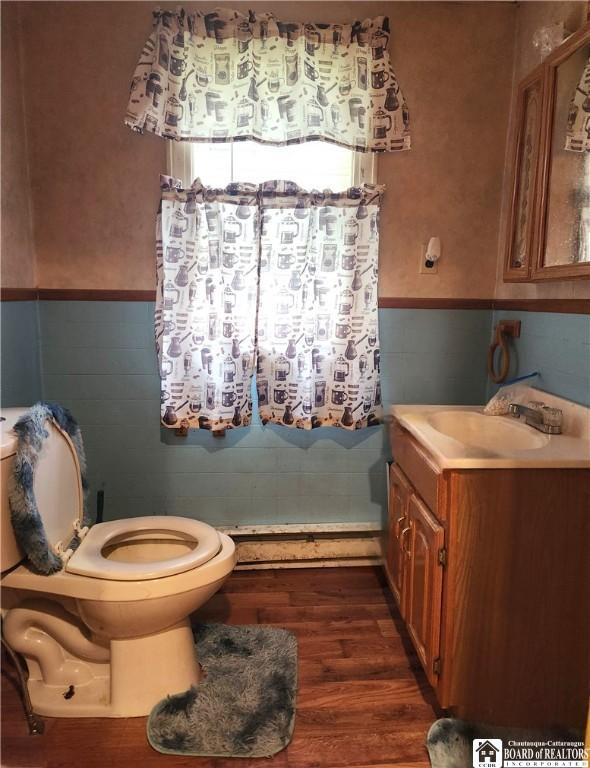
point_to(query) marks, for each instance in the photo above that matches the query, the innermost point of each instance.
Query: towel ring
(503, 330)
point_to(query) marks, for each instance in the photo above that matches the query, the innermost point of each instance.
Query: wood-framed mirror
(563, 249)
(520, 242)
(548, 233)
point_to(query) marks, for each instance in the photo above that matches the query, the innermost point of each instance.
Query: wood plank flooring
(363, 699)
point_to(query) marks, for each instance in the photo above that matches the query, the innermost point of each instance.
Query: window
(312, 165)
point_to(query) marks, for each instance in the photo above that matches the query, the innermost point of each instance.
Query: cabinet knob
(407, 529)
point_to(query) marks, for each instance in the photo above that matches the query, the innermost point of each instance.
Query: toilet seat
(89, 560)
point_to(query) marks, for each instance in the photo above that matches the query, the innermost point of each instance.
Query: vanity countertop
(507, 443)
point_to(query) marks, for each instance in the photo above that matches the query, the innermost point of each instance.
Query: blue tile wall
(98, 359)
(21, 378)
(556, 345)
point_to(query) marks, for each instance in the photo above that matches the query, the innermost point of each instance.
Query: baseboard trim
(345, 563)
(297, 529)
(306, 545)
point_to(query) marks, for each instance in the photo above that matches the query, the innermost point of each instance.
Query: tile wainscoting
(19, 363)
(97, 358)
(556, 345)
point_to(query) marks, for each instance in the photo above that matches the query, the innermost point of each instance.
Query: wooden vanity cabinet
(398, 529)
(424, 584)
(412, 555)
(491, 573)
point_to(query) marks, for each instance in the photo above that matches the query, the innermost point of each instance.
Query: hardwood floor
(363, 699)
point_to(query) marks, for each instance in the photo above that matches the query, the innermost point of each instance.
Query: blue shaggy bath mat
(245, 704)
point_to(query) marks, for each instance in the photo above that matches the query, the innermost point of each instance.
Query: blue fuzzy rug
(245, 705)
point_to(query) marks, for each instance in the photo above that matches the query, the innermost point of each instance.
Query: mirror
(567, 235)
(526, 152)
(548, 234)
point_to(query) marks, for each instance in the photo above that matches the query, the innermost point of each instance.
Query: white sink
(463, 437)
(493, 433)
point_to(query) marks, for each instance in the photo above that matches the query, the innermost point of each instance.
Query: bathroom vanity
(486, 553)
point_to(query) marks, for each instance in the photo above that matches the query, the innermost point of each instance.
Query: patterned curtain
(318, 342)
(207, 274)
(294, 299)
(226, 75)
(578, 121)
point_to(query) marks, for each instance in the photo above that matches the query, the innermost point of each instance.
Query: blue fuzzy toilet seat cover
(26, 520)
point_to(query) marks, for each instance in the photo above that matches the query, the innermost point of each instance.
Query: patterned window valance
(578, 124)
(227, 76)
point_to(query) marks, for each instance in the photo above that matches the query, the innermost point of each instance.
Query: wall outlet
(424, 268)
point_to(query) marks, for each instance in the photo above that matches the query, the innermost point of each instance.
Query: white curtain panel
(578, 122)
(229, 75)
(207, 275)
(318, 339)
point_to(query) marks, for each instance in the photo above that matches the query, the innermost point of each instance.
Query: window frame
(179, 164)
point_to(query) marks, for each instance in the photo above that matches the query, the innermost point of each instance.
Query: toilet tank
(10, 552)
(57, 487)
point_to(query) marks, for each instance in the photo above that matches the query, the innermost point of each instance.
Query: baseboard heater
(306, 545)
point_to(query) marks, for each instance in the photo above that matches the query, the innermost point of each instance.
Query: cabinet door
(424, 599)
(398, 530)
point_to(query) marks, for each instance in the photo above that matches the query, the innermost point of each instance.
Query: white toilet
(108, 636)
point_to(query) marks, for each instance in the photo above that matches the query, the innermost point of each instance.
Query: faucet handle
(536, 405)
(553, 417)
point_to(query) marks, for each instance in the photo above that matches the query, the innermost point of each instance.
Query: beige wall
(18, 266)
(454, 61)
(530, 16)
(95, 184)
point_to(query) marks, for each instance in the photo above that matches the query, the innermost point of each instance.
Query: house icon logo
(487, 753)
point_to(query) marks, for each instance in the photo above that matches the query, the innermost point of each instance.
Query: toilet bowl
(108, 635)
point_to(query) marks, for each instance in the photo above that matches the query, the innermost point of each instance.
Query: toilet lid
(57, 486)
(90, 558)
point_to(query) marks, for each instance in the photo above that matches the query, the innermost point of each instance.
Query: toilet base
(141, 672)
(89, 700)
(145, 670)
(100, 648)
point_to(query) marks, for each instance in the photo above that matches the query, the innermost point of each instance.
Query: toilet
(109, 635)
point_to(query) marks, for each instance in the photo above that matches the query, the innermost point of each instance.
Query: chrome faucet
(539, 416)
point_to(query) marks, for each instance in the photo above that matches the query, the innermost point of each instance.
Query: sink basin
(493, 433)
(462, 437)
